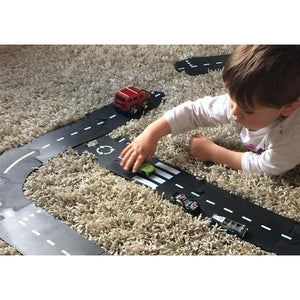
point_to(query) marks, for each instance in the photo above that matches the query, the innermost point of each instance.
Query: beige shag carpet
(45, 87)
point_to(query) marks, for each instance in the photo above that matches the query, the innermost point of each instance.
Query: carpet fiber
(45, 87)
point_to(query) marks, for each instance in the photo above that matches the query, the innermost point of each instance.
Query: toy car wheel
(133, 110)
(212, 222)
(146, 104)
(231, 231)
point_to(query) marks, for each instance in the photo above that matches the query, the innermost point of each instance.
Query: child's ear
(290, 108)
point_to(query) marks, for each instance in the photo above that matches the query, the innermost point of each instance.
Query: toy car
(146, 169)
(232, 227)
(132, 100)
(188, 203)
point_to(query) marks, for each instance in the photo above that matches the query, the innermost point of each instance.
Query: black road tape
(29, 229)
(267, 230)
(201, 65)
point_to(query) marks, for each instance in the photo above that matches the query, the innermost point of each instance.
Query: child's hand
(141, 149)
(201, 147)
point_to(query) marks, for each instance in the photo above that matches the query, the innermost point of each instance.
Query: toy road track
(30, 229)
(268, 230)
(201, 65)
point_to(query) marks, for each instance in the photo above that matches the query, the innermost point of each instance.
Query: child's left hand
(201, 147)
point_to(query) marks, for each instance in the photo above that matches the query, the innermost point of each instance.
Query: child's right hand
(141, 149)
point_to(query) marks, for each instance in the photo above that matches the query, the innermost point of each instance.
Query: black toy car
(187, 202)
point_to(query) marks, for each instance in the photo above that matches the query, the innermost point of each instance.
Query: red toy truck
(132, 100)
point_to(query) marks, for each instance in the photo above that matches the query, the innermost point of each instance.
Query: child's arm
(204, 149)
(144, 146)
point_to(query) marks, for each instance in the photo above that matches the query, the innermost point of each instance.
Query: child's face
(257, 118)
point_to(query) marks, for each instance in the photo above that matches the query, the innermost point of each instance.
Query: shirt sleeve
(275, 161)
(203, 112)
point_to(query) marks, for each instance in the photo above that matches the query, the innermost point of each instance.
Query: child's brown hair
(267, 75)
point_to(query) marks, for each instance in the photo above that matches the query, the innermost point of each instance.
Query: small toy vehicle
(188, 203)
(146, 169)
(232, 227)
(132, 100)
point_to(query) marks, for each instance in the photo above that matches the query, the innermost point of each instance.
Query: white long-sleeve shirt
(274, 149)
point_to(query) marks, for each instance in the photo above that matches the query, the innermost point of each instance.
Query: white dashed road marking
(74, 133)
(247, 219)
(50, 242)
(22, 223)
(113, 116)
(60, 139)
(99, 123)
(87, 128)
(35, 232)
(46, 146)
(286, 237)
(265, 227)
(65, 252)
(195, 194)
(210, 202)
(229, 210)
(178, 185)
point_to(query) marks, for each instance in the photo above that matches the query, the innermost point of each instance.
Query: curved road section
(31, 230)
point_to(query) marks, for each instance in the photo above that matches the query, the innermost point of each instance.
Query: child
(262, 104)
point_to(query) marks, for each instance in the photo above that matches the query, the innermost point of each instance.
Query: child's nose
(235, 109)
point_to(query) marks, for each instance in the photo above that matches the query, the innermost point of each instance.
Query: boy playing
(262, 104)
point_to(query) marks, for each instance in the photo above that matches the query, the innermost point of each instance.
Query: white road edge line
(17, 161)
